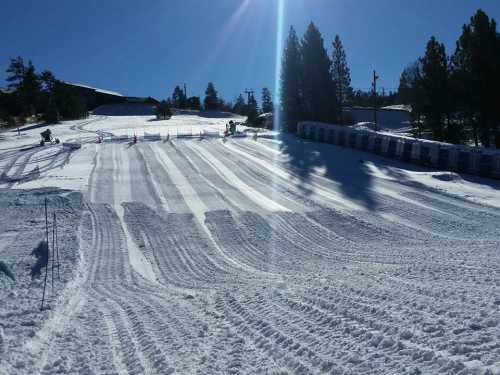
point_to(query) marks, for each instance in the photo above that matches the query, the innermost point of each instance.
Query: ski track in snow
(204, 257)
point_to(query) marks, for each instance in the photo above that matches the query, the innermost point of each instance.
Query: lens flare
(277, 109)
(277, 66)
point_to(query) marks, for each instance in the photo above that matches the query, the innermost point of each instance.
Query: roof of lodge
(108, 92)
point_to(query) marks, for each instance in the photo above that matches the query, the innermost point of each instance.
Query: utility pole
(249, 94)
(185, 91)
(374, 86)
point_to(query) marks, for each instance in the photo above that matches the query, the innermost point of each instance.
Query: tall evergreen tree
(341, 73)
(252, 111)
(16, 72)
(179, 99)
(211, 101)
(224, 106)
(47, 95)
(163, 111)
(435, 87)
(410, 92)
(477, 77)
(51, 113)
(31, 89)
(291, 83)
(194, 103)
(48, 81)
(267, 101)
(239, 105)
(319, 93)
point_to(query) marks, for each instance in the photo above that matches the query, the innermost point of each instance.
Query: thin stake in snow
(57, 248)
(47, 242)
(374, 85)
(53, 249)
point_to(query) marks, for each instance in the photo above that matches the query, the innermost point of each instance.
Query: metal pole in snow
(47, 242)
(375, 77)
(57, 248)
(53, 248)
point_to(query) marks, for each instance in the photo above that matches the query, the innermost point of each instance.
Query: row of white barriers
(439, 155)
(180, 134)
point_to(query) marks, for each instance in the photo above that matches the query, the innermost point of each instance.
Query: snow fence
(443, 156)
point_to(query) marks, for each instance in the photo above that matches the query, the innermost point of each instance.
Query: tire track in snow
(112, 272)
(405, 213)
(233, 198)
(177, 246)
(138, 261)
(229, 176)
(195, 204)
(289, 178)
(280, 190)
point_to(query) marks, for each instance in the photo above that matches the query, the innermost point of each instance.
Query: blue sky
(147, 47)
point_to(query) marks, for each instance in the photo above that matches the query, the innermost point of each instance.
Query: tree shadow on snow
(342, 166)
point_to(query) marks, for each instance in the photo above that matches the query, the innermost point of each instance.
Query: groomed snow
(268, 256)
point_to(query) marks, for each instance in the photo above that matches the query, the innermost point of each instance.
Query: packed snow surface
(267, 255)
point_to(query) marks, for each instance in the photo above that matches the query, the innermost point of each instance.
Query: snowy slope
(275, 256)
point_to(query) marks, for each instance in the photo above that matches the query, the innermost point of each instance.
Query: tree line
(30, 94)
(314, 86)
(452, 98)
(213, 102)
(457, 98)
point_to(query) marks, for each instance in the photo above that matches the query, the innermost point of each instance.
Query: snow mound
(447, 176)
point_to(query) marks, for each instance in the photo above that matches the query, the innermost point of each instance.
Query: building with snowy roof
(95, 97)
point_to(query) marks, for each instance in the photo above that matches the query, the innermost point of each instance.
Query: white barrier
(440, 155)
(152, 136)
(117, 138)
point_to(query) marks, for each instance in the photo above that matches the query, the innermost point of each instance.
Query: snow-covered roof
(398, 107)
(108, 92)
(7, 90)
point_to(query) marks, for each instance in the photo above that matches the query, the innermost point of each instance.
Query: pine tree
(240, 105)
(267, 101)
(52, 115)
(435, 87)
(477, 78)
(211, 101)
(252, 110)
(31, 89)
(179, 99)
(319, 97)
(410, 92)
(163, 111)
(224, 106)
(291, 83)
(48, 82)
(16, 72)
(194, 103)
(341, 73)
